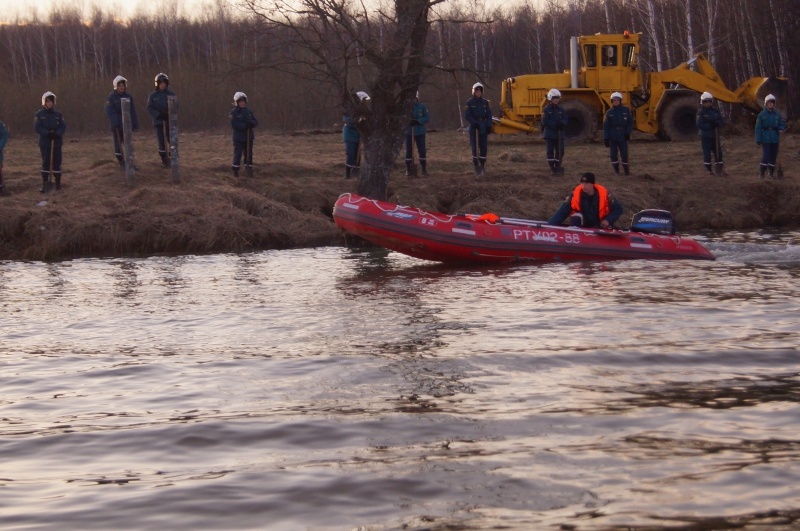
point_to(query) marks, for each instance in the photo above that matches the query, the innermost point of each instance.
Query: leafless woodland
(228, 48)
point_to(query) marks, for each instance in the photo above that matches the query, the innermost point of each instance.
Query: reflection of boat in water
(468, 238)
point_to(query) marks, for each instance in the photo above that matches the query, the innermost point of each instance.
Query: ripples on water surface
(332, 389)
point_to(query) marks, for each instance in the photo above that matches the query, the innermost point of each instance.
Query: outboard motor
(654, 222)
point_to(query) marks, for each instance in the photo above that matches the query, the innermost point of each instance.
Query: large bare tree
(351, 48)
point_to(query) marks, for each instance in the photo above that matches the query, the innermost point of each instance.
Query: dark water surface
(336, 389)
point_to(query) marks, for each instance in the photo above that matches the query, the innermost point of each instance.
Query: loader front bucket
(753, 91)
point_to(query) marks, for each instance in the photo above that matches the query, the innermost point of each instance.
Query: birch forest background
(214, 53)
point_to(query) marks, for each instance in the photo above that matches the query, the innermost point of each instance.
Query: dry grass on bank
(298, 177)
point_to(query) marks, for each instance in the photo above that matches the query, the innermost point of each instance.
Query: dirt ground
(297, 178)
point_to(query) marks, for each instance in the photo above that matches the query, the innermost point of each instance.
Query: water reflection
(126, 279)
(738, 392)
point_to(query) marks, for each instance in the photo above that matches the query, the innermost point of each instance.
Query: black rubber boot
(708, 168)
(424, 168)
(235, 172)
(347, 172)
(625, 169)
(58, 180)
(44, 184)
(616, 167)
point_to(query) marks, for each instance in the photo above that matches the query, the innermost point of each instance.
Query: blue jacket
(242, 119)
(708, 120)
(554, 119)
(420, 114)
(114, 110)
(768, 125)
(349, 131)
(3, 139)
(47, 121)
(618, 123)
(158, 105)
(479, 115)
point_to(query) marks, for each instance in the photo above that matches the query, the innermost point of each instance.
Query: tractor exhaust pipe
(573, 61)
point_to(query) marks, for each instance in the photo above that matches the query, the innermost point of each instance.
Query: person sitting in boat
(589, 205)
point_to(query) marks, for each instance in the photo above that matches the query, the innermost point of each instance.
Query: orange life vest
(603, 208)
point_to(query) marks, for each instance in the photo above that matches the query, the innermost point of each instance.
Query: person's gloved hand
(607, 142)
(52, 135)
(758, 143)
(627, 137)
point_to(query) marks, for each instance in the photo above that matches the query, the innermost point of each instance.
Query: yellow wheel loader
(663, 103)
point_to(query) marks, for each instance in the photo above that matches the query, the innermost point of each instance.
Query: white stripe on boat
(464, 231)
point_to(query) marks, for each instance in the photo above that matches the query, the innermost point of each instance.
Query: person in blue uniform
(158, 107)
(113, 110)
(243, 121)
(479, 116)
(709, 125)
(49, 124)
(589, 205)
(554, 121)
(769, 126)
(3, 140)
(415, 134)
(617, 128)
(352, 139)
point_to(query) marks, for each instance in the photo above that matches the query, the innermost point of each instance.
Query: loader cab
(610, 62)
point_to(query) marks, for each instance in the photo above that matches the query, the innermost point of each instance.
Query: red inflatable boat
(488, 238)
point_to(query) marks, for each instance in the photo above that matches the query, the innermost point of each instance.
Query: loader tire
(582, 123)
(678, 121)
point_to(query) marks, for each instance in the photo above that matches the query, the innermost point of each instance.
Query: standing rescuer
(479, 115)
(243, 121)
(113, 110)
(352, 138)
(50, 125)
(709, 123)
(158, 107)
(769, 126)
(617, 128)
(554, 121)
(415, 134)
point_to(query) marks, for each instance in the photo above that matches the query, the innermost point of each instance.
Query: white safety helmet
(118, 80)
(616, 96)
(477, 86)
(554, 93)
(362, 96)
(161, 77)
(706, 96)
(239, 96)
(48, 95)
(769, 98)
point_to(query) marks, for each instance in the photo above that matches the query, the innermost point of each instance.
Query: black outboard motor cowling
(654, 222)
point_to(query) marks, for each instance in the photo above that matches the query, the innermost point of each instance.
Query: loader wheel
(582, 122)
(678, 119)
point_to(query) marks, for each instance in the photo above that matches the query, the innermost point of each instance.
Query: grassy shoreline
(298, 177)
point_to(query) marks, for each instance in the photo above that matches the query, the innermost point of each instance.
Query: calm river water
(341, 389)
